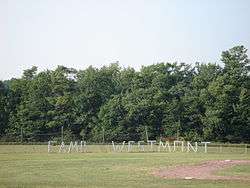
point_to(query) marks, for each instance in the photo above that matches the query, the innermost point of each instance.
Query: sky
(80, 33)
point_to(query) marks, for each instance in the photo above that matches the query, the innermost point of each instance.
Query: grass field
(31, 166)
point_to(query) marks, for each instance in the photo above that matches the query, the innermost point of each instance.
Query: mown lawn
(32, 166)
(239, 170)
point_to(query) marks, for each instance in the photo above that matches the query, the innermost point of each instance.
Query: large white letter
(140, 146)
(130, 145)
(167, 145)
(205, 145)
(151, 143)
(62, 148)
(83, 146)
(190, 146)
(49, 147)
(73, 146)
(118, 148)
(176, 142)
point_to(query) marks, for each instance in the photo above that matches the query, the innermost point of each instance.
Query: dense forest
(200, 102)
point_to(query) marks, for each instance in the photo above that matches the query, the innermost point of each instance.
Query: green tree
(3, 108)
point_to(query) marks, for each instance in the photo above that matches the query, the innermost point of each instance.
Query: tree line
(200, 102)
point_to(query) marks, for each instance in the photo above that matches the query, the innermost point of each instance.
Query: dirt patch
(205, 171)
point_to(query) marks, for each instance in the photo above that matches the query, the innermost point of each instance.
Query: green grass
(31, 166)
(239, 170)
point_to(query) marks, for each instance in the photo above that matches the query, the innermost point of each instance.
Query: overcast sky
(79, 33)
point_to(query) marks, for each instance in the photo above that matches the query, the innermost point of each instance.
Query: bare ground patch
(203, 171)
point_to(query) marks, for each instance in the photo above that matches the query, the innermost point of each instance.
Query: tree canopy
(200, 102)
